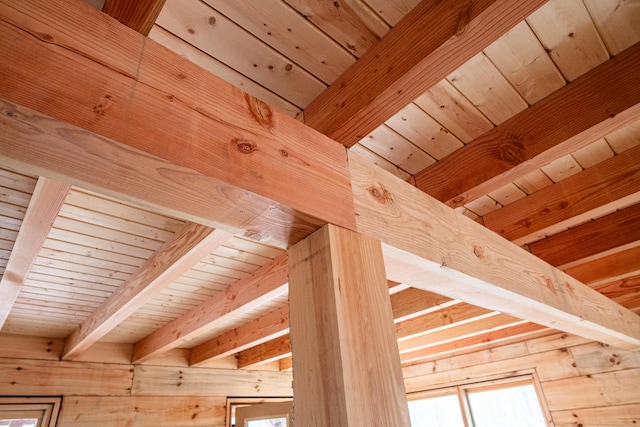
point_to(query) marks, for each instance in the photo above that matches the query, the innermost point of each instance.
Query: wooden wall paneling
(594, 358)
(616, 23)
(29, 377)
(161, 411)
(397, 149)
(412, 257)
(215, 34)
(169, 381)
(264, 284)
(342, 22)
(137, 15)
(14, 346)
(607, 416)
(597, 390)
(596, 191)
(456, 113)
(340, 310)
(368, 98)
(545, 131)
(424, 132)
(614, 232)
(567, 32)
(46, 200)
(281, 27)
(221, 70)
(170, 261)
(159, 70)
(523, 61)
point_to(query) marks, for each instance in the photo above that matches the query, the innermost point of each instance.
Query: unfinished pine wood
(380, 161)
(614, 232)
(411, 58)
(604, 416)
(172, 259)
(266, 283)
(428, 245)
(276, 349)
(593, 153)
(339, 310)
(265, 328)
(617, 23)
(608, 268)
(595, 358)
(392, 11)
(159, 73)
(561, 123)
(137, 15)
(46, 201)
(414, 302)
(599, 190)
(398, 150)
(561, 168)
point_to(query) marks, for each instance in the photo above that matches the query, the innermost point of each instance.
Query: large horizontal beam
(132, 90)
(599, 102)
(430, 246)
(135, 14)
(428, 44)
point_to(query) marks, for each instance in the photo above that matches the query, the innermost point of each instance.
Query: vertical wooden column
(346, 366)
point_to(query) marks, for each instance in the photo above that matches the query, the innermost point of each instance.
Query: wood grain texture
(46, 201)
(407, 61)
(611, 233)
(265, 284)
(339, 311)
(612, 184)
(175, 257)
(429, 246)
(592, 106)
(267, 352)
(137, 15)
(232, 136)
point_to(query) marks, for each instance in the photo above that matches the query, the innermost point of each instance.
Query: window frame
(48, 406)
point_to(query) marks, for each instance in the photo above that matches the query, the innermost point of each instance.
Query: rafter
(408, 60)
(608, 268)
(175, 257)
(266, 283)
(46, 201)
(135, 14)
(611, 184)
(599, 102)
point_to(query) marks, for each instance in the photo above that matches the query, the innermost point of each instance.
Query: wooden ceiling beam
(268, 327)
(611, 184)
(597, 103)
(609, 268)
(266, 283)
(408, 60)
(175, 257)
(464, 265)
(46, 200)
(603, 236)
(135, 14)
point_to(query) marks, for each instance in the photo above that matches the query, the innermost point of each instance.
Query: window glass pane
(506, 407)
(441, 411)
(18, 422)
(273, 422)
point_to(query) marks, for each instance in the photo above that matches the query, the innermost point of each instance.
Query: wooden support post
(345, 355)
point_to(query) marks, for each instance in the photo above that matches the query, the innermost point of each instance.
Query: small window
(29, 411)
(499, 403)
(258, 412)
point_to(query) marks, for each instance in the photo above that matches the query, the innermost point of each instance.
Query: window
(505, 402)
(258, 412)
(29, 411)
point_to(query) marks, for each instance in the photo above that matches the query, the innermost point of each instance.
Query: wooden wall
(108, 391)
(584, 383)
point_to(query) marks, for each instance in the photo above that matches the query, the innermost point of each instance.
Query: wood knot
(284, 153)
(457, 201)
(212, 20)
(45, 37)
(253, 235)
(244, 146)
(512, 150)
(260, 111)
(379, 193)
(463, 20)
(477, 250)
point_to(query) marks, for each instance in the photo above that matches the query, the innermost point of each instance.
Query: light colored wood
(236, 132)
(612, 233)
(339, 311)
(625, 139)
(561, 168)
(411, 58)
(438, 320)
(595, 358)
(214, 33)
(412, 302)
(380, 161)
(599, 190)
(265, 284)
(563, 122)
(137, 15)
(265, 328)
(286, 364)
(567, 32)
(172, 259)
(46, 201)
(604, 416)
(429, 246)
(593, 153)
(617, 23)
(392, 11)
(276, 349)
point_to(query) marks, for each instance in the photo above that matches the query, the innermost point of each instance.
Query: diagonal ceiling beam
(599, 102)
(44, 206)
(175, 257)
(266, 283)
(139, 15)
(429, 43)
